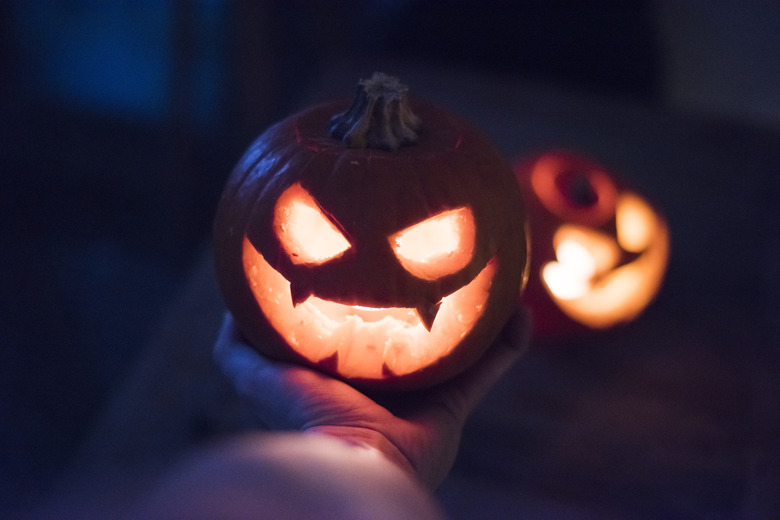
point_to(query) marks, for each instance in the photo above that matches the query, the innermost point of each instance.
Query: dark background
(121, 121)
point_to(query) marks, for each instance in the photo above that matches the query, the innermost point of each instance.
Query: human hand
(419, 431)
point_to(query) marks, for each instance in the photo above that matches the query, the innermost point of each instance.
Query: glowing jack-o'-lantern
(385, 251)
(599, 250)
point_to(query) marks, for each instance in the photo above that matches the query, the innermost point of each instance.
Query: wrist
(368, 439)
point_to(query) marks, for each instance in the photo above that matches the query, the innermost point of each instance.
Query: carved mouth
(366, 342)
(587, 280)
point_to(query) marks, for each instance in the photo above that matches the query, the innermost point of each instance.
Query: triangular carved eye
(307, 235)
(440, 245)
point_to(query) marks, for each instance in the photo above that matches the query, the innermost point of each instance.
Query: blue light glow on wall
(118, 58)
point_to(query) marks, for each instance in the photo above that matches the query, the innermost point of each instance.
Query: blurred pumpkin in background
(599, 249)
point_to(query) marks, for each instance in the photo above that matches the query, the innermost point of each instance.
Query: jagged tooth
(387, 371)
(427, 314)
(299, 293)
(330, 363)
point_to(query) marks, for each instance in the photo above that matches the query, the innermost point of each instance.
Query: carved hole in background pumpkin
(588, 281)
(369, 342)
(581, 196)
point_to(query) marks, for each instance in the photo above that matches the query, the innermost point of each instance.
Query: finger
(516, 334)
(252, 373)
(462, 394)
(236, 359)
(256, 378)
(283, 395)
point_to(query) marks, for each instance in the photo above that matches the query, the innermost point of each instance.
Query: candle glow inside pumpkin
(368, 341)
(587, 280)
(600, 250)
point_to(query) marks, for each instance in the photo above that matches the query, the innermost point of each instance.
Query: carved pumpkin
(385, 252)
(600, 251)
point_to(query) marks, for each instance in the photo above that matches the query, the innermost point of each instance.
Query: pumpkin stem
(380, 116)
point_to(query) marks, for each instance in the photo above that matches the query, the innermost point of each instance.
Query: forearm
(293, 475)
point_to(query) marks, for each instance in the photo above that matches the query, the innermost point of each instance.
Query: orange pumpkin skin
(369, 195)
(567, 190)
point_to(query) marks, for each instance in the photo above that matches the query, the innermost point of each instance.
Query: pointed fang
(427, 314)
(299, 294)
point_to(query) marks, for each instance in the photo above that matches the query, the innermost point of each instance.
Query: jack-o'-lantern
(600, 251)
(379, 245)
